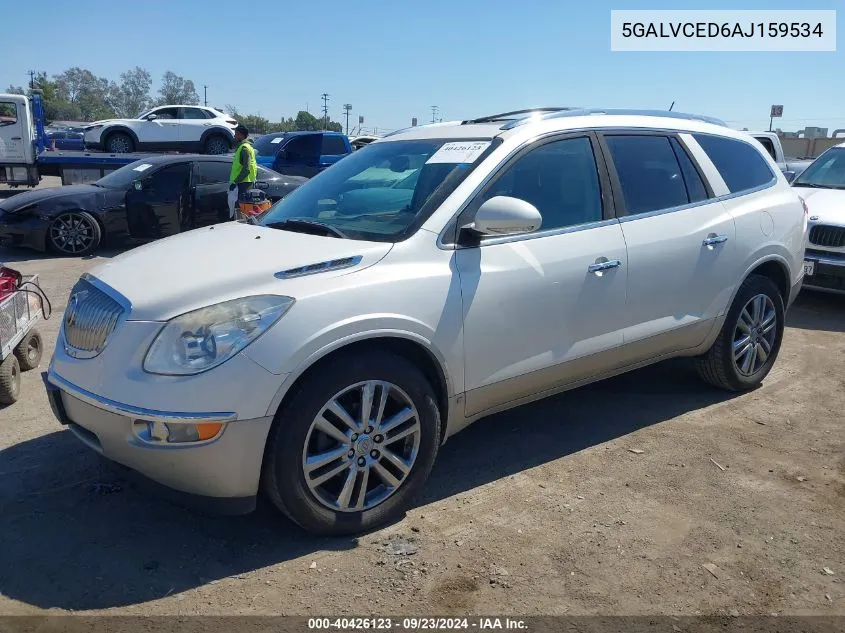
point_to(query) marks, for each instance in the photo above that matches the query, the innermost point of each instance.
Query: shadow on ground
(815, 310)
(76, 535)
(9, 255)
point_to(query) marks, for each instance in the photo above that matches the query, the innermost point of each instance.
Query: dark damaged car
(145, 200)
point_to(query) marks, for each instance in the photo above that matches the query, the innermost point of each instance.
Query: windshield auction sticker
(713, 30)
(459, 152)
(143, 167)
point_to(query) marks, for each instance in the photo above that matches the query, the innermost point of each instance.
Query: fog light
(161, 432)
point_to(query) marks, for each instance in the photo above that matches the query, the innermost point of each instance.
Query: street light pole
(205, 95)
(347, 107)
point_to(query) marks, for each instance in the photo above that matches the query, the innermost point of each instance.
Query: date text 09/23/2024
(415, 624)
(728, 30)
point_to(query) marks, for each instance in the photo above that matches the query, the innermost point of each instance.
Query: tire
(74, 233)
(293, 437)
(10, 380)
(29, 351)
(747, 334)
(217, 144)
(119, 143)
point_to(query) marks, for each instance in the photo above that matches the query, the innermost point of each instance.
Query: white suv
(166, 128)
(822, 186)
(324, 352)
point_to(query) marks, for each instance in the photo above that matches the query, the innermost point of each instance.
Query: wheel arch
(407, 345)
(774, 267)
(113, 129)
(217, 131)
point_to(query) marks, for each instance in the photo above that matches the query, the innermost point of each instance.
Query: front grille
(90, 318)
(830, 236)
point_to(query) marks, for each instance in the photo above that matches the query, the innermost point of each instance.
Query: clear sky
(394, 59)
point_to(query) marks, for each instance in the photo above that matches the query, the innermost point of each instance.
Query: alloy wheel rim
(119, 145)
(32, 350)
(217, 146)
(754, 335)
(361, 446)
(71, 233)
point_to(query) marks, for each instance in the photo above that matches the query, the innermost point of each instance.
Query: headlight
(200, 340)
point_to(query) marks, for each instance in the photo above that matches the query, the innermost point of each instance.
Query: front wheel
(750, 339)
(119, 143)
(75, 233)
(354, 445)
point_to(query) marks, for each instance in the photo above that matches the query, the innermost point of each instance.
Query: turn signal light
(181, 433)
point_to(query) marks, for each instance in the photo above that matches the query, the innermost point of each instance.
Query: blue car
(67, 141)
(301, 153)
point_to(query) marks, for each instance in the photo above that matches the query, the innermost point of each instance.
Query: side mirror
(503, 215)
(152, 117)
(790, 176)
(282, 154)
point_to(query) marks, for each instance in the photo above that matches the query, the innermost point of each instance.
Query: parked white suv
(166, 128)
(822, 186)
(324, 353)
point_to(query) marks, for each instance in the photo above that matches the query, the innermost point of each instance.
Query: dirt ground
(612, 499)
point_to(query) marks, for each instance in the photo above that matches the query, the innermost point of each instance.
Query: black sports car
(145, 200)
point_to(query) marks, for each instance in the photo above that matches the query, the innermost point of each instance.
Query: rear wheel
(75, 233)
(354, 445)
(217, 145)
(119, 143)
(10, 380)
(748, 345)
(29, 351)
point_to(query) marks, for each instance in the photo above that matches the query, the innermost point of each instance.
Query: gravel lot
(603, 500)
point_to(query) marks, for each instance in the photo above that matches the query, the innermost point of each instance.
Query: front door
(300, 156)
(682, 252)
(12, 122)
(157, 209)
(163, 130)
(541, 310)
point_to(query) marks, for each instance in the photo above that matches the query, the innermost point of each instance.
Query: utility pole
(31, 79)
(325, 98)
(346, 108)
(205, 95)
(433, 113)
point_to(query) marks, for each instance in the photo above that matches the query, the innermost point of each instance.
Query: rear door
(210, 192)
(160, 206)
(332, 149)
(12, 122)
(682, 254)
(192, 123)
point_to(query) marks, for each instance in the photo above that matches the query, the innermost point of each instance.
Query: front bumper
(828, 273)
(221, 474)
(26, 231)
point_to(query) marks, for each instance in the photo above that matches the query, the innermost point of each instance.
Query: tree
(177, 90)
(15, 90)
(81, 88)
(131, 96)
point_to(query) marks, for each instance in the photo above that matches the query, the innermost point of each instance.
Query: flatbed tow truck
(26, 155)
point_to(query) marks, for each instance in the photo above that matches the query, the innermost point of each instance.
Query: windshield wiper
(809, 184)
(305, 225)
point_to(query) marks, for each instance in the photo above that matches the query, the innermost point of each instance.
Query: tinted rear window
(332, 146)
(740, 164)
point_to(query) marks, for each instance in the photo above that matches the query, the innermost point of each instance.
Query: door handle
(712, 240)
(605, 265)
(16, 138)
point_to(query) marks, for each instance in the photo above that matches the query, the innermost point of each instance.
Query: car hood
(827, 205)
(206, 266)
(36, 196)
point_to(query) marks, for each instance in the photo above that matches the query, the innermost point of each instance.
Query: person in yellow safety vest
(244, 168)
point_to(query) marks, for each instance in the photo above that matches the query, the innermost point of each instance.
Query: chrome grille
(830, 236)
(90, 318)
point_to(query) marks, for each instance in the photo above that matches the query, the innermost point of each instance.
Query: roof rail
(515, 114)
(624, 111)
(417, 127)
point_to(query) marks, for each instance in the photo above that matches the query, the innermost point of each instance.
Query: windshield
(125, 176)
(384, 191)
(268, 145)
(827, 171)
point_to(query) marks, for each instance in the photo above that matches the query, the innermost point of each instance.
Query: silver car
(324, 352)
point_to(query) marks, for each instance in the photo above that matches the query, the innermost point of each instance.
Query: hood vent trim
(321, 267)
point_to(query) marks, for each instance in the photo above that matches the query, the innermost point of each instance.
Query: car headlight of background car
(203, 339)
